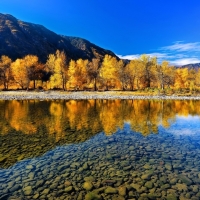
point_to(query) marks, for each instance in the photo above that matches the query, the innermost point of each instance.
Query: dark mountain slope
(18, 38)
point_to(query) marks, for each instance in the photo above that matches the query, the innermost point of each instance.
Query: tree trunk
(34, 84)
(95, 84)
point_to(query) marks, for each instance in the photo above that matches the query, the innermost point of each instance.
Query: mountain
(192, 66)
(18, 38)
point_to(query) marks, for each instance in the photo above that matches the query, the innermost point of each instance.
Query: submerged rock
(88, 186)
(92, 196)
(122, 190)
(111, 190)
(185, 179)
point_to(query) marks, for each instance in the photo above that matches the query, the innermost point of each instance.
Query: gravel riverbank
(48, 95)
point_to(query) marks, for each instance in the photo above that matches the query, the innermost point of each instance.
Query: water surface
(100, 149)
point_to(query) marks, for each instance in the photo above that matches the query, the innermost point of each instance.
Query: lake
(100, 149)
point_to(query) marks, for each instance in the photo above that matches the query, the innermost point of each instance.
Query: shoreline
(56, 95)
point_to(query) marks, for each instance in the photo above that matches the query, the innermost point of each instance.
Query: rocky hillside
(18, 38)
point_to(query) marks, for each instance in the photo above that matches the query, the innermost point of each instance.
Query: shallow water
(100, 149)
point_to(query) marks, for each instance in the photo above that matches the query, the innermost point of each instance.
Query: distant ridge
(192, 66)
(18, 38)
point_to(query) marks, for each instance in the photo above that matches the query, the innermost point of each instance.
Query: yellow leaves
(78, 73)
(23, 69)
(110, 71)
(30, 60)
(5, 61)
(181, 78)
(5, 71)
(20, 73)
(56, 65)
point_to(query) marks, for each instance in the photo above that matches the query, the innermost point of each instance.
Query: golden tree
(181, 78)
(133, 73)
(197, 78)
(108, 71)
(57, 66)
(149, 69)
(20, 73)
(78, 73)
(5, 71)
(164, 74)
(31, 64)
(93, 71)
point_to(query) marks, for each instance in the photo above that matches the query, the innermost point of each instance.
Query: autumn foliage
(144, 73)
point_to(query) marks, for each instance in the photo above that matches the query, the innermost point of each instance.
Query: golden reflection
(82, 119)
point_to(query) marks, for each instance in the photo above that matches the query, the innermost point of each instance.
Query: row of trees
(110, 74)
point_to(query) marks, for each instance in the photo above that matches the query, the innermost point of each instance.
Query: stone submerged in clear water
(104, 174)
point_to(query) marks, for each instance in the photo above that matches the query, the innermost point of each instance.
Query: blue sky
(169, 29)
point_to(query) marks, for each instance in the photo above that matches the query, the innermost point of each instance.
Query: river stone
(18, 179)
(67, 183)
(10, 184)
(195, 188)
(110, 190)
(122, 190)
(36, 196)
(31, 175)
(146, 176)
(165, 186)
(85, 166)
(163, 179)
(135, 186)
(68, 189)
(53, 186)
(89, 178)
(181, 187)
(151, 196)
(168, 166)
(127, 168)
(125, 163)
(147, 166)
(131, 148)
(14, 188)
(173, 181)
(46, 191)
(99, 190)
(61, 168)
(30, 167)
(21, 157)
(87, 186)
(27, 190)
(149, 184)
(177, 166)
(171, 197)
(188, 195)
(92, 196)
(185, 179)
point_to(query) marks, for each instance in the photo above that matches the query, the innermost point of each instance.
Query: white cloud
(129, 57)
(179, 53)
(181, 47)
(134, 56)
(185, 61)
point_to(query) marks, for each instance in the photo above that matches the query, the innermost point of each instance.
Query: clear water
(100, 149)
